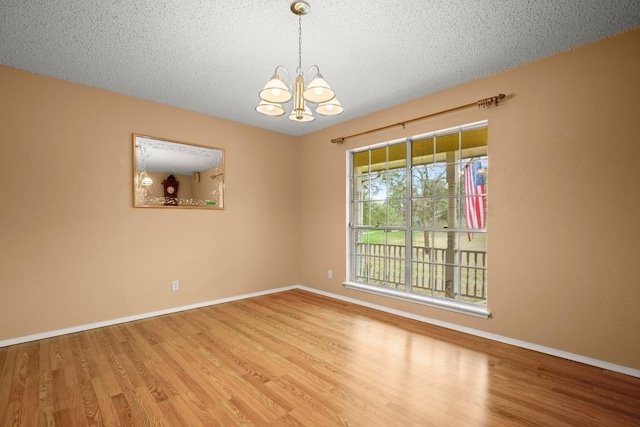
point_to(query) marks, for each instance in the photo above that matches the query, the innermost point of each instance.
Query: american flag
(475, 204)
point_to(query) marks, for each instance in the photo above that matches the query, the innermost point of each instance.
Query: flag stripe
(475, 203)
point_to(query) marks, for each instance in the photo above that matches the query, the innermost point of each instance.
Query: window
(417, 221)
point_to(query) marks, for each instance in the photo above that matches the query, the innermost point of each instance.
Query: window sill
(456, 306)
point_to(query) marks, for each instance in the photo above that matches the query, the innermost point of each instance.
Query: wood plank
(297, 358)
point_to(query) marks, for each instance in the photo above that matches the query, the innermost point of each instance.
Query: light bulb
(275, 92)
(318, 90)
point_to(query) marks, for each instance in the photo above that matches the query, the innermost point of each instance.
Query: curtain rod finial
(337, 140)
(491, 101)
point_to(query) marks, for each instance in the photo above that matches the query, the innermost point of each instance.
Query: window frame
(478, 310)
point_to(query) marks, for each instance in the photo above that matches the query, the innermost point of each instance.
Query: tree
(430, 184)
(386, 194)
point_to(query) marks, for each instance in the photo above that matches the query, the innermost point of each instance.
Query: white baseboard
(89, 326)
(494, 337)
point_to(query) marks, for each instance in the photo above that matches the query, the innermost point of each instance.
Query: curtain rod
(482, 103)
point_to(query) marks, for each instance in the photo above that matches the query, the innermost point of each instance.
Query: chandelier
(278, 91)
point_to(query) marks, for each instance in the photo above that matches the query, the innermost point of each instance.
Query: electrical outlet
(329, 274)
(175, 285)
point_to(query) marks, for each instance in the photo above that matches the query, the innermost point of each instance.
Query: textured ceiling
(214, 57)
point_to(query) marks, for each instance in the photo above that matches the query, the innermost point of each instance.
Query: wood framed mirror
(172, 174)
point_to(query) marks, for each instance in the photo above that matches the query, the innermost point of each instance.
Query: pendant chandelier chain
(299, 70)
(315, 92)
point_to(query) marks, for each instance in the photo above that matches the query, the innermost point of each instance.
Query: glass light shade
(145, 179)
(330, 108)
(306, 116)
(271, 109)
(318, 91)
(275, 91)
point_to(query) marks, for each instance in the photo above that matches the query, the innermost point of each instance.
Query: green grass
(398, 238)
(377, 236)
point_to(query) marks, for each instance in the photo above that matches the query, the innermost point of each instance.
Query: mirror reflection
(177, 174)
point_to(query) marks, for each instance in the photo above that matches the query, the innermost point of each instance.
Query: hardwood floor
(297, 358)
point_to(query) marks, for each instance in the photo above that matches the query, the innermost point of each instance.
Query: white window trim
(456, 306)
(480, 311)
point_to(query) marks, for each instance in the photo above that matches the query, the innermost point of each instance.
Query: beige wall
(562, 219)
(74, 251)
(564, 233)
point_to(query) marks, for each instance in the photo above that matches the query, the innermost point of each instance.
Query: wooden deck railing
(385, 265)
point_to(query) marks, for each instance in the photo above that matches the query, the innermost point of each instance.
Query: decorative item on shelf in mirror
(172, 174)
(171, 191)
